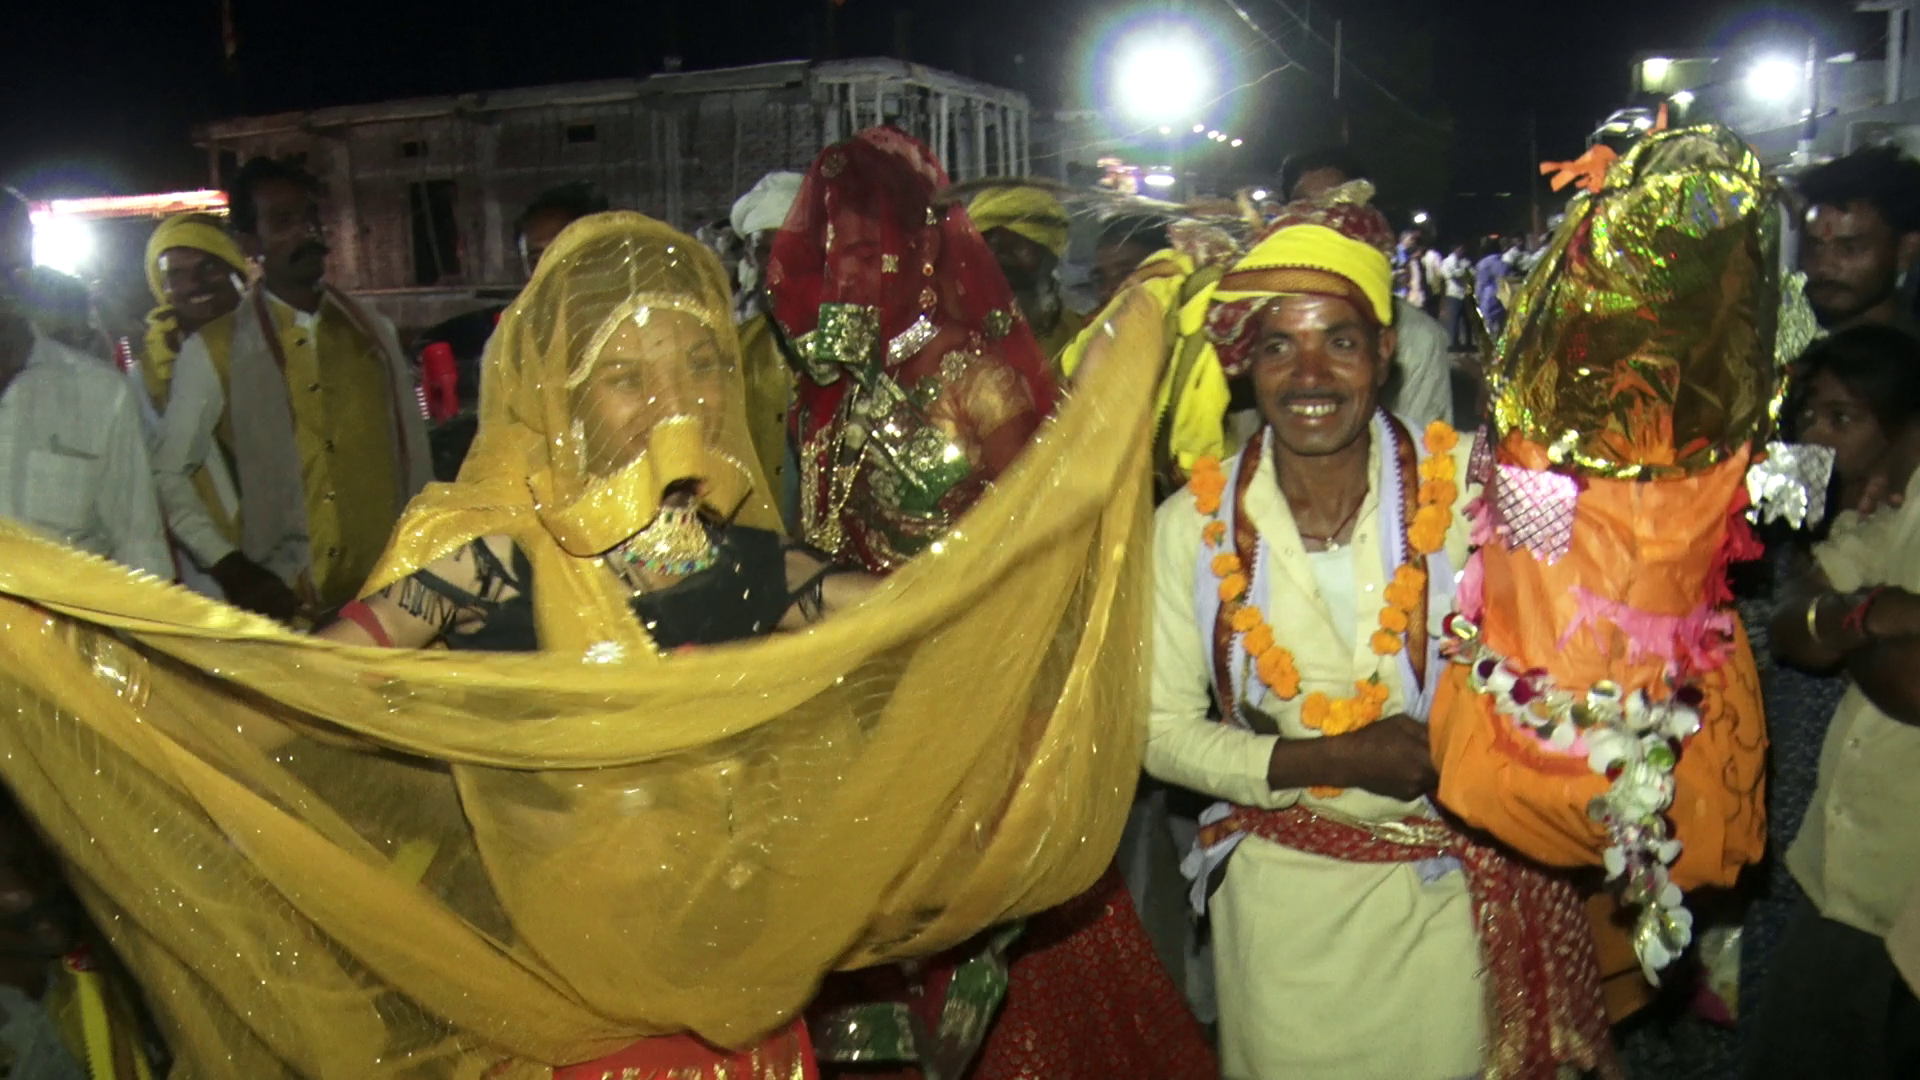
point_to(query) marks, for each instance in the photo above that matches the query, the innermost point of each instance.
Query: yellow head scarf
(1031, 211)
(1334, 244)
(201, 233)
(1298, 259)
(530, 476)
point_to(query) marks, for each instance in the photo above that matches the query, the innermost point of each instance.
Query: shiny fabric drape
(334, 862)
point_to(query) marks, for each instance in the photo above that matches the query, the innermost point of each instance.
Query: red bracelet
(362, 616)
(1856, 620)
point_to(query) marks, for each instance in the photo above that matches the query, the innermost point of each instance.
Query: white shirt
(1324, 968)
(75, 459)
(1457, 270)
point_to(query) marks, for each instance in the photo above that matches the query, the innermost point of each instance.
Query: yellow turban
(201, 233)
(1292, 259)
(1333, 245)
(196, 231)
(1031, 211)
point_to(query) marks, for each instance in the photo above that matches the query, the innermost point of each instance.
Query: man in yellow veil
(196, 272)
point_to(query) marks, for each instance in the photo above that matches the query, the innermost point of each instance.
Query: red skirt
(1087, 999)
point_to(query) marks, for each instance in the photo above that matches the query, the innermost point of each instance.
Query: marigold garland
(1272, 663)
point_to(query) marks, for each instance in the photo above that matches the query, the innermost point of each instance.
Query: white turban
(766, 206)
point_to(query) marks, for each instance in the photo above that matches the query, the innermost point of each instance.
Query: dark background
(1440, 95)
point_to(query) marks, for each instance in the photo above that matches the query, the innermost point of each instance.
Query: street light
(1653, 72)
(1162, 73)
(1775, 79)
(1236, 142)
(61, 242)
(1419, 217)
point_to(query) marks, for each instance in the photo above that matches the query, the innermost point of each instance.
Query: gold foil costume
(333, 862)
(1642, 344)
(1606, 710)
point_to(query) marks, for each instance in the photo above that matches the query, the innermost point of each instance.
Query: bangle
(1856, 620)
(362, 616)
(1813, 617)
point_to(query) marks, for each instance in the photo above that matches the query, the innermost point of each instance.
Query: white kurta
(73, 458)
(1326, 968)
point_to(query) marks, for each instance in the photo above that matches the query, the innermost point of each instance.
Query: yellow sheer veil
(530, 474)
(468, 865)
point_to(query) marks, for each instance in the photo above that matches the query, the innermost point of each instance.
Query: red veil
(869, 276)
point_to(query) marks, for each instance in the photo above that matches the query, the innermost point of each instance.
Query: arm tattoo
(422, 602)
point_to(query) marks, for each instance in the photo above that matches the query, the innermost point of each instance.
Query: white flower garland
(1632, 740)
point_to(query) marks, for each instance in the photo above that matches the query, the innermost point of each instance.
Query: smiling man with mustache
(1303, 585)
(306, 395)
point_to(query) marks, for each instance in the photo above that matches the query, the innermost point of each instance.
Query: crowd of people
(1332, 870)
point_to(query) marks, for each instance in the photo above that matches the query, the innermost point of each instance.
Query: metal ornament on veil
(1790, 484)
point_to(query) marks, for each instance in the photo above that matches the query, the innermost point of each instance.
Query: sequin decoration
(997, 323)
(1480, 459)
(847, 335)
(910, 341)
(1533, 509)
(1645, 345)
(1790, 484)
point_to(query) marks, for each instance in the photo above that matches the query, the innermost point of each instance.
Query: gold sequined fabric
(325, 861)
(1643, 343)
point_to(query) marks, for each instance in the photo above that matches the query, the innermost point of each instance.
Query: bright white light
(1419, 217)
(1198, 128)
(1162, 74)
(1165, 130)
(1213, 134)
(1642, 123)
(62, 243)
(1259, 194)
(1653, 70)
(1236, 142)
(1159, 179)
(1774, 79)
(1684, 99)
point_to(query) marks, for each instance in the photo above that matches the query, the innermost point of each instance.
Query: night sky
(99, 95)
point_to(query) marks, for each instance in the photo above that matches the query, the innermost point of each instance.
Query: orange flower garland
(1272, 663)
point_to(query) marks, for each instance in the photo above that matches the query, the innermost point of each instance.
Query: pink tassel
(1690, 644)
(1469, 596)
(1737, 544)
